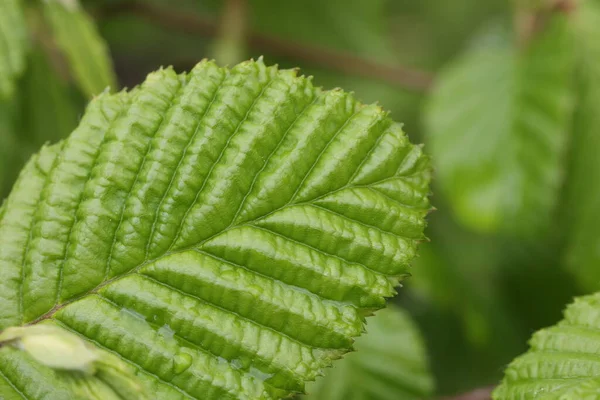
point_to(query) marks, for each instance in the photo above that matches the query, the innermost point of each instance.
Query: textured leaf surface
(497, 124)
(77, 36)
(563, 362)
(13, 45)
(223, 231)
(390, 364)
(583, 215)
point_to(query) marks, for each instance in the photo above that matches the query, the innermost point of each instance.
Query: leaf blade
(143, 200)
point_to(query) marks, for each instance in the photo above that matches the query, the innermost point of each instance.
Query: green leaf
(13, 45)
(563, 360)
(223, 231)
(497, 125)
(582, 216)
(77, 37)
(390, 364)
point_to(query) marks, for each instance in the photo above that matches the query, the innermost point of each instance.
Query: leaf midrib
(251, 223)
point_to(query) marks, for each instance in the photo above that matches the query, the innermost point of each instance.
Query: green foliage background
(479, 289)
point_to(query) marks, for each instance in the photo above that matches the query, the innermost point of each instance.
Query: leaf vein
(237, 129)
(179, 163)
(66, 326)
(164, 119)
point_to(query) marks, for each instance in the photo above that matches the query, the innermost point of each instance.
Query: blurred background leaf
(582, 208)
(390, 363)
(13, 45)
(8, 145)
(41, 123)
(76, 35)
(497, 124)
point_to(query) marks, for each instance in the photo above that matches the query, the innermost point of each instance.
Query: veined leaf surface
(224, 231)
(563, 361)
(497, 123)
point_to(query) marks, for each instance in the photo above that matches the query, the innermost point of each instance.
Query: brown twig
(343, 62)
(530, 22)
(478, 394)
(229, 46)
(565, 6)
(42, 38)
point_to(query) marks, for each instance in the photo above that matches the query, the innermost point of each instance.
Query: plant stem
(478, 394)
(230, 45)
(530, 17)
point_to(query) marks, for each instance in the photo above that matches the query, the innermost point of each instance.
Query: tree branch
(346, 63)
(529, 22)
(230, 45)
(478, 394)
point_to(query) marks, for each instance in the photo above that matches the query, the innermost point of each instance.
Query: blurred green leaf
(497, 125)
(45, 110)
(429, 33)
(13, 45)
(85, 50)
(140, 47)
(583, 194)
(49, 108)
(461, 287)
(455, 294)
(8, 147)
(390, 364)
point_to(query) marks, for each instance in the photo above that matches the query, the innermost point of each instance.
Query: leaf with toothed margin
(224, 232)
(564, 360)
